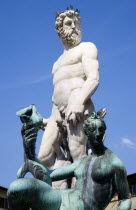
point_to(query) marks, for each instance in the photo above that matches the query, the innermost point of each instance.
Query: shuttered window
(3, 203)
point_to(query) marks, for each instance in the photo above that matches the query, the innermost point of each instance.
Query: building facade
(3, 198)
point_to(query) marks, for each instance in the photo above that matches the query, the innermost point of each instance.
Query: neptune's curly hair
(61, 15)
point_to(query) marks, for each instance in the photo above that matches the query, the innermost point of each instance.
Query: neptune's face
(96, 131)
(71, 30)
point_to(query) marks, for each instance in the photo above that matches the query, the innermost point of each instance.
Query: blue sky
(29, 46)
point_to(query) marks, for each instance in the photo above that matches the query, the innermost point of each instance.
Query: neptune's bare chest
(68, 59)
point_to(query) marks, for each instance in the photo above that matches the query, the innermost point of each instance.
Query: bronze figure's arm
(64, 172)
(122, 188)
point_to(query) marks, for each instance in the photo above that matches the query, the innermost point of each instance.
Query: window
(133, 188)
(3, 203)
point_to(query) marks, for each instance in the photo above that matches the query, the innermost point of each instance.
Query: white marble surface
(75, 79)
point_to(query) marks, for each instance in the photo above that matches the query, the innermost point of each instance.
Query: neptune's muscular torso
(68, 75)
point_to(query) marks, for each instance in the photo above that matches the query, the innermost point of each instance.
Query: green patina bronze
(99, 175)
(31, 120)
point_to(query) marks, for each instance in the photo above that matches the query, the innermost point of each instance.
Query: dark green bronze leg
(32, 193)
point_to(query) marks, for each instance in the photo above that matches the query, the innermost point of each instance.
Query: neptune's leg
(32, 193)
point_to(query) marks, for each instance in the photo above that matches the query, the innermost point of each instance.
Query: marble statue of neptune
(75, 79)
